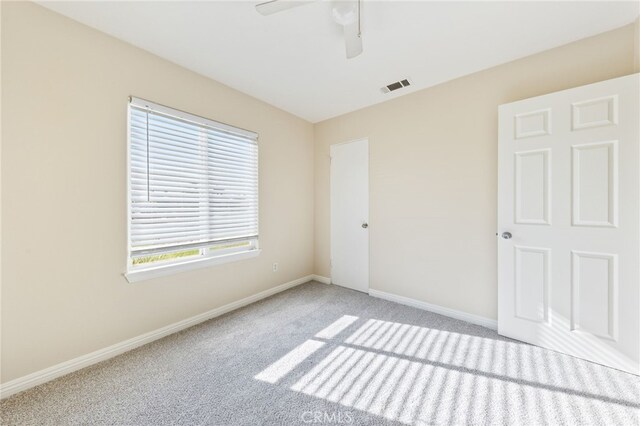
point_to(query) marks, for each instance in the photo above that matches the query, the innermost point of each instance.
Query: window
(193, 191)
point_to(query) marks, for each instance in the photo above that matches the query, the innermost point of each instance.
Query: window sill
(163, 270)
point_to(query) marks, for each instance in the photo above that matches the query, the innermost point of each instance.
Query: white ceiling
(296, 61)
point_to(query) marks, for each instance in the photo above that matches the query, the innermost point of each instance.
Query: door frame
(360, 139)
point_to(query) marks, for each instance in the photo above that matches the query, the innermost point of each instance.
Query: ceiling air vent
(395, 86)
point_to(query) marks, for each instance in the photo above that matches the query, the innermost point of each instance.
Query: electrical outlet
(275, 267)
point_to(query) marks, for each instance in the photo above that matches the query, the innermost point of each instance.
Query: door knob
(506, 235)
(365, 225)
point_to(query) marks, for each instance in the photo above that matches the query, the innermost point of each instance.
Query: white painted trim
(23, 383)
(448, 312)
(136, 275)
(637, 45)
(321, 279)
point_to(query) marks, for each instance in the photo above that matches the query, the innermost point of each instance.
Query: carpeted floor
(320, 354)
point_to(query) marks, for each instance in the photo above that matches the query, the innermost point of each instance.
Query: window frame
(207, 255)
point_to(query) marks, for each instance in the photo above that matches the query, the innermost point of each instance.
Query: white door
(569, 196)
(350, 215)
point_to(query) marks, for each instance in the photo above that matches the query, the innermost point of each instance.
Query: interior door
(569, 222)
(350, 215)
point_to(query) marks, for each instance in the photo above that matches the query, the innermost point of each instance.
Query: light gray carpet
(320, 354)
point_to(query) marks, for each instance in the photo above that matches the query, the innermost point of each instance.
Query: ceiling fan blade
(274, 6)
(353, 40)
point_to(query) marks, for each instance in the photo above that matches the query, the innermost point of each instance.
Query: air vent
(395, 86)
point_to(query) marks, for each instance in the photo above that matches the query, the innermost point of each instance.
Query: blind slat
(190, 183)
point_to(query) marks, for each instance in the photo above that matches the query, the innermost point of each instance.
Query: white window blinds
(193, 181)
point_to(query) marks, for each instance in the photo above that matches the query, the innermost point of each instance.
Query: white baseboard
(321, 279)
(23, 383)
(464, 316)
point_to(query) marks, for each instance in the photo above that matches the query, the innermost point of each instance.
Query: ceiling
(296, 60)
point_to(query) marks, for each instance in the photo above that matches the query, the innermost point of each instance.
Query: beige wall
(64, 93)
(433, 172)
